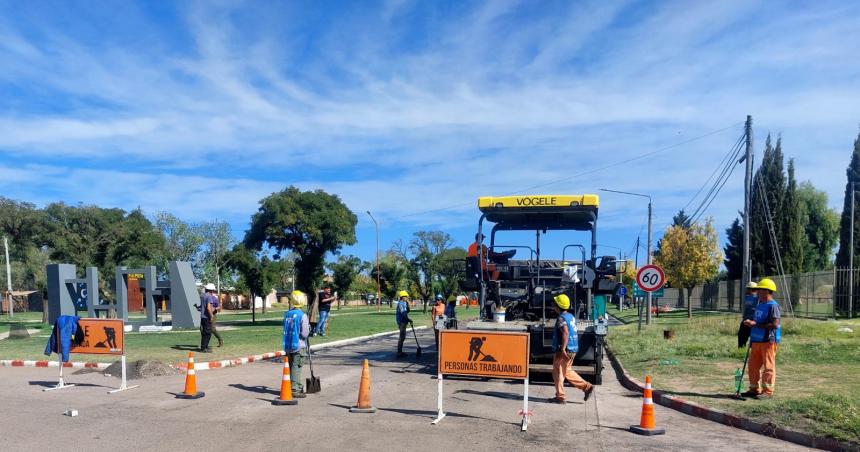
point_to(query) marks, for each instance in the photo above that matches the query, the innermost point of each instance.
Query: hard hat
(298, 298)
(752, 285)
(562, 301)
(439, 296)
(402, 294)
(767, 284)
(210, 286)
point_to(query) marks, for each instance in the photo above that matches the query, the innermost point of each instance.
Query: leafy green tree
(392, 274)
(424, 267)
(691, 256)
(24, 226)
(821, 228)
(344, 272)
(253, 270)
(734, 250)
(310, 223)
(447, 280)
(183, 242)
(217, 242)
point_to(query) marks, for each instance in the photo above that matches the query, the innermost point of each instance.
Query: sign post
(484, 354)
(101, 337)
(649, 278)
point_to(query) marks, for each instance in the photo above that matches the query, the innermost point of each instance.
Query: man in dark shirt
(325, 300)
(750, 302)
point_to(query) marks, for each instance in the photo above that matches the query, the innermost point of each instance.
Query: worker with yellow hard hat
(765, 334)
(296, 331)
(402, 317)
(565, 344)
(747, 313)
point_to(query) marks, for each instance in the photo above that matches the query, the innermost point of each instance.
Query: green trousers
(296, 363)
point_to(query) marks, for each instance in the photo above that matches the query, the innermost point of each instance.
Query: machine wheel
(598, 363)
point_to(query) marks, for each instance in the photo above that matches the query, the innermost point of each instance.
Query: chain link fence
(823, 294)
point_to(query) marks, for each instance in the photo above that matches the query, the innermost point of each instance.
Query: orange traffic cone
(286, 397)
(190, 381)
(647, 426)
(364, 405)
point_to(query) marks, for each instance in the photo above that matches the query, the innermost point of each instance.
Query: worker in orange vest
(437, 315)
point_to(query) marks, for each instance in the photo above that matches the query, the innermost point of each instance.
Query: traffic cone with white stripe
(647, 426)
(286, 397)
(190, 381)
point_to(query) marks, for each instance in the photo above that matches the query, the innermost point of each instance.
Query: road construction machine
(515, 282)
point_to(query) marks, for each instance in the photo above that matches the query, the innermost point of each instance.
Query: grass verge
(817, 391)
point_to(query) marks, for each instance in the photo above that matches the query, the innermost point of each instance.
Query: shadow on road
(506, 395)
(51, 384)
(428, 413)
(255, 389)
(186, 347)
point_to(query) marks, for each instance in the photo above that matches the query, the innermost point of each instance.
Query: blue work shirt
(402, 313)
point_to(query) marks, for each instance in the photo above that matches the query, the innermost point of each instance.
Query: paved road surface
(236, 413)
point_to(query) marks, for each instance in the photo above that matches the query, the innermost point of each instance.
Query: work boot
(299, 395)
(752, 394)
(220, 343)
(764, 396)
(587, 393)
(206, 350)
(401, 355)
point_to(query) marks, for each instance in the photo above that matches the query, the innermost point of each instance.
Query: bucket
(499, 316)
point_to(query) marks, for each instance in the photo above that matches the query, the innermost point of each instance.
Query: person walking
(325, 300)
(313, 312)
(750, 302)
(216, 308)
(565, 344)
(402, 317)
(206, 315)
(437, 316)
(296, 331)
(451, 314)
(765, 334)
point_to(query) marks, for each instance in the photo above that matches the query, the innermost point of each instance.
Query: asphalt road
(236, 412)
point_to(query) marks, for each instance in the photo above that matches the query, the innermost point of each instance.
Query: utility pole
(650, 215)
(8, 277)
(746, 267)
(637, 252)
(378, 287)
(850, 258)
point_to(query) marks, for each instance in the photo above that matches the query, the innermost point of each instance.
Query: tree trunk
(253, 310)
(689, 302)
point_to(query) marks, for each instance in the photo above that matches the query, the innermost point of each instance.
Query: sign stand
(441, 411)
(124, 385)
(527, 415)
(60, 384)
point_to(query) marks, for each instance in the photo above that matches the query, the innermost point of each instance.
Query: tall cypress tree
(734, 250)
(769, 180)
(793, 237)
(853, 174)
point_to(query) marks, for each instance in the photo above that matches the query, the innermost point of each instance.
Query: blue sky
(414, 109)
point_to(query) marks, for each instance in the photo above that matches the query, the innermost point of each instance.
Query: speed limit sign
(650, 278)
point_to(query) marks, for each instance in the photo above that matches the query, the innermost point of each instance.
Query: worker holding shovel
(402, 317)
(765, 335)
(296, 331)
(565, 344)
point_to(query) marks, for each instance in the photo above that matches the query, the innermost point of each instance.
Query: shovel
(418, 353)
(743, 371)
(312, 385)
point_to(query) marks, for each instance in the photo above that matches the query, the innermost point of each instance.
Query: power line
(722, 162)
(727, 169)
(584, 173)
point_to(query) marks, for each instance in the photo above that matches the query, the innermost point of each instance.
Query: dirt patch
(141, 369)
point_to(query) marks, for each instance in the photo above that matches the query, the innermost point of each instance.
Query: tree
(821, 228)
(793, 234)
(847, 224)
(769, 181)
(681, 219)
(182, 242)
(392, 274)
(310, 223)
(424, 267)
(447, 282)
(24, 226)
(691, 256)
(252, 269)
(344, 272)
(217, 242)
(734, 250)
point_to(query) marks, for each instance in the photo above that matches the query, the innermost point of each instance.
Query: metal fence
(823, 294)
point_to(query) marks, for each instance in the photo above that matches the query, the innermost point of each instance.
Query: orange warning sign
(101, 337)
(484, 353)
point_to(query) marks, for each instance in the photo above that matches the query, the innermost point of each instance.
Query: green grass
(816, 389)
(245, 339)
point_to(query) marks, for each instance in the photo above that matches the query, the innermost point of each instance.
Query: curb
(201, 365)
(721, 417)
